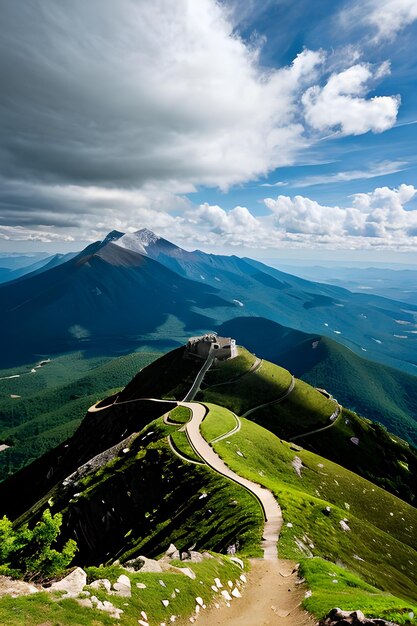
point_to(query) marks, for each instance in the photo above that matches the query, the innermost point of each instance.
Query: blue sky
(271, 129)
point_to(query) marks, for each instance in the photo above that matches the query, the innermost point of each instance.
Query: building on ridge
(200, 347)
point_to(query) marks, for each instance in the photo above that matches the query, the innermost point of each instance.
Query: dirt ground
(271, 598)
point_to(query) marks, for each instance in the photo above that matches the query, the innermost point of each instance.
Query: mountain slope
(106, 296)
(382, 327)
(123, 491)
(374, 390)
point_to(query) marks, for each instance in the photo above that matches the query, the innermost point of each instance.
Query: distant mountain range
(135, 289)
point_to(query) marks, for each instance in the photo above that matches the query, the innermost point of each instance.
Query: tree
(28, 554)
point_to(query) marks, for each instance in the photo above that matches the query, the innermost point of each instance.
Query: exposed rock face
(337, 617)
(72, 584)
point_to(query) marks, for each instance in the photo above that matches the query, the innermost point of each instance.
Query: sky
(272, 129)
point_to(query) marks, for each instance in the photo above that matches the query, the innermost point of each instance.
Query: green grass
(386, 543)
(42, 609)
(223, 371)
(180, 442)
(180, 415)
(303, 410)
(351, 593)
(267, 383)
(54, 400)
(220, 422)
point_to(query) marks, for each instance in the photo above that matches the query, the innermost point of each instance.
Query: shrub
(28, 554)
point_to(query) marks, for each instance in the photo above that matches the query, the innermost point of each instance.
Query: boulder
(101, 583)
(337, 617)
(143, 564)
(72, 584)
(172, 552)
(122, 587)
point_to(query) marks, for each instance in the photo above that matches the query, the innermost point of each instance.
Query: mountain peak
(145, 241)
(113, 236)
(146, 236)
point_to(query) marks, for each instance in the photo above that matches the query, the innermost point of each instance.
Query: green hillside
(129, 483)
(376, 391)
(42, 408)
(381, 542)
(378, 456)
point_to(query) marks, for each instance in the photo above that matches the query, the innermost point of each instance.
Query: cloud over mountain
(110, 116)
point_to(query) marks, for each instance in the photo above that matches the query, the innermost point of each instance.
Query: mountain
(133, 288)
(383, 329)
(22, 267)
(130, 482)
(106, 297)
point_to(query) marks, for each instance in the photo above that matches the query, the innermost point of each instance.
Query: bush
(26, 553)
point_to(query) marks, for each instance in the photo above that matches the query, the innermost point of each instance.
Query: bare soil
(271, 597)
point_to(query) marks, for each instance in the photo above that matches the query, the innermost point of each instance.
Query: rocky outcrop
(72, 584)
(337, 617)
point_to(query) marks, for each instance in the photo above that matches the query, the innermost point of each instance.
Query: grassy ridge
(264, 384)
(378, 546)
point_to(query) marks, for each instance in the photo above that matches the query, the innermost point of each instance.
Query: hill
(131, 481)
(378, 392)
(42, 405)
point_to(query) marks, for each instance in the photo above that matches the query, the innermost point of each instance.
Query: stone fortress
(222, 348)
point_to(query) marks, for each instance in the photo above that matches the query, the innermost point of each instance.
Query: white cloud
(385, 19)
(389, 17)
(377, 218)
(342, 104)
(374, 170)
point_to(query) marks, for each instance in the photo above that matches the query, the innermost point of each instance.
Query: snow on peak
(138, 241)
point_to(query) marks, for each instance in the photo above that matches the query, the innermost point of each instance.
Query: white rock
(123, 587)
(218, 583)
(343, 525)
(101, 583)
(239, 562)
(243, 578)
(229, 582)
(236, 593)
(142, 622)
(72, 584)
(15, 588)
(145, 617)
(199, 600)
(214, 588)
(197, 609)
(165, 602)
(161, 582)
(226, 595)
(141, 585)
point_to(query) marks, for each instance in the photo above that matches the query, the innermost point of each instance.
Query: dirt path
(266, 600)
(271, 508)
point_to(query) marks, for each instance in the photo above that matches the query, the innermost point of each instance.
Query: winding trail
(271, 509)
(272, 597)
(272, 402)
(334, 418)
